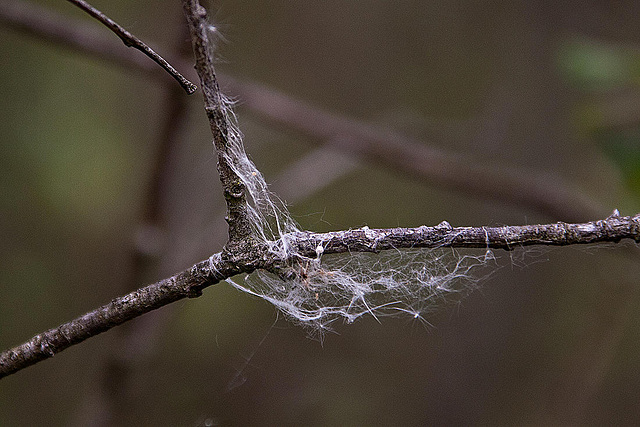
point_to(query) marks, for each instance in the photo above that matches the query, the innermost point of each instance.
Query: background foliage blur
(550, 337)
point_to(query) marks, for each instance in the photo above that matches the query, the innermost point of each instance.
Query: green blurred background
(551, 337)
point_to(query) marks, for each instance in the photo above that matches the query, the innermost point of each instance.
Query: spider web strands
(316, 293)
(398, 271)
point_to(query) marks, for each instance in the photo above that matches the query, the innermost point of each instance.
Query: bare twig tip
(190, 87)
(132, 41)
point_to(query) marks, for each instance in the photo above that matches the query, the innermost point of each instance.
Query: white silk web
(318, 291)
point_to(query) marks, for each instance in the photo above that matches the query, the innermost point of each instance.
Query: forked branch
(242, 256)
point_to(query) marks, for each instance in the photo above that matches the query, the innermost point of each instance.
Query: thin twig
(190, 282)
(132, 41)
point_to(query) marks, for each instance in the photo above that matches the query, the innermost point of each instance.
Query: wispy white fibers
(316, 292)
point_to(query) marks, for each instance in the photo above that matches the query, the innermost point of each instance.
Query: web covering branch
(294, 269)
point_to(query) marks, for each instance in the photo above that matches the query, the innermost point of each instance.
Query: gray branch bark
(612, 229)
(189, 283)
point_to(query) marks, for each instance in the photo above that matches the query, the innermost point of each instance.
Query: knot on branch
(235, 190)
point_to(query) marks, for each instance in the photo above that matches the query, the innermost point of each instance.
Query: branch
(103, 404)
(222, 128)
(612, 229)
(191, 282)
(132, 41)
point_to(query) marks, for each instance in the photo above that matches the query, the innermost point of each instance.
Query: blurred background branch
(544, 193)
